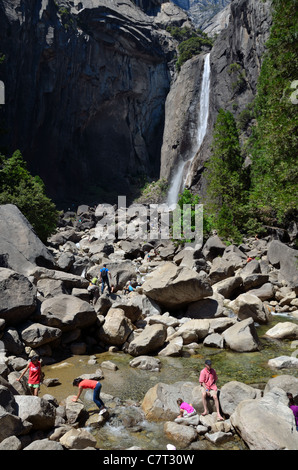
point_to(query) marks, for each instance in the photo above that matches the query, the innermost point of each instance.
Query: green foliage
(238, 78)
(189, 216)
(227, 178)
(19, 187)
(190, 43)
(246, 200)
(273, 145)
(153, 192)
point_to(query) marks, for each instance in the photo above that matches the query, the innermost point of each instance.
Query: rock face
(235, 62)
(174, 286)
(20, 249)
(102, 65)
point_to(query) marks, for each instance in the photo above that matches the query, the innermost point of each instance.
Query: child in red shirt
(34, 379)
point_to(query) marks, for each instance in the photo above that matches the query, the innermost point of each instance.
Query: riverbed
(127, 383)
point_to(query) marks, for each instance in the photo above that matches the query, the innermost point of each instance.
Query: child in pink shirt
(186, 410)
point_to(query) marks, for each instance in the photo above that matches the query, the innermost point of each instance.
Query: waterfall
(178, 182)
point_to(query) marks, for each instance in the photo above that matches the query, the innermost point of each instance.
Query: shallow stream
(128, 383)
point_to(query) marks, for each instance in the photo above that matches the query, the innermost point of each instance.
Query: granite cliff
(94, 102)
(235, 62)
(85, 84)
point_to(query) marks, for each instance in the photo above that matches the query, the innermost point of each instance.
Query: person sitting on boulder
(93, 385)
(128, 288)
(93, 290)
(186, 409)
(208, 380)
(104, 278)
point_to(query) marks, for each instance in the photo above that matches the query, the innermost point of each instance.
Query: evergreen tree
(19, 187)
(274, 149)
(227, 178)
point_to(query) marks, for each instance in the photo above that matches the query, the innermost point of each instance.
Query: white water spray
(178, 182)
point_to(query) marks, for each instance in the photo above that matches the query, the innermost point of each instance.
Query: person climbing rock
(93, 385)
(104, 278)
(186, 409)
(128, 288)
(93, 290)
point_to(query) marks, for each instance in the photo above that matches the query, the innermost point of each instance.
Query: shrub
(19, 187)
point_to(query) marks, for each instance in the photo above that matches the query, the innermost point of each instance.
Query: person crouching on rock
(186, 409)
(34, 379)
(93, 290)
(93, 385)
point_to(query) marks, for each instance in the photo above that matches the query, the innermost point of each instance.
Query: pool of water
(128, 383)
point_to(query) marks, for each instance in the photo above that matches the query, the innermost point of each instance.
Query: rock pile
(183, 296)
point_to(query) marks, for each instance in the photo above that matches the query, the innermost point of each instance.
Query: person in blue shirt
(104, 278)
(128, 288)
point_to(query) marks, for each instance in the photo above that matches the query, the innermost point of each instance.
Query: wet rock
(146, 363)
(283, 330)
(180, 434)
(78, 439)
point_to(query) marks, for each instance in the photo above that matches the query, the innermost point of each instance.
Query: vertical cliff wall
(86, 84)
(235, 66)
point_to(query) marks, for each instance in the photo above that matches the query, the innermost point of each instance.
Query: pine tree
(227, 178)
(274, 146)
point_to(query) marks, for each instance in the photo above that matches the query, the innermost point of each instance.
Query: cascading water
(178, 181)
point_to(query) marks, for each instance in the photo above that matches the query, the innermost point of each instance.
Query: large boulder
(35, 335)
(242, 336)
(288, 383)
(180, 434)
(150, 340)
(78, 439)
(249, 306)
(284, 258)
(20, 248)
(213, 247)
(116, 328)
(192, 331)
(44, 444)
(283, 330)
(266, 423)
(232, 393)
(10, 425)
(17, 297)
(160, 402)
(174, 286)
(38, 411)
(67, 313)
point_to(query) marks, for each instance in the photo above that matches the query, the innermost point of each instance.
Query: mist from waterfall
(178, 182)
